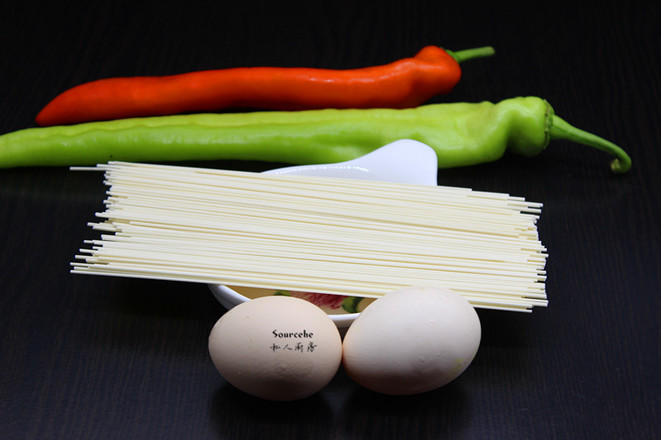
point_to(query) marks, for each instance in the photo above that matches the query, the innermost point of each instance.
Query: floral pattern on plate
(331, 304)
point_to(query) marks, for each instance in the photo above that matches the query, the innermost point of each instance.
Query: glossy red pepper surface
(403, 83)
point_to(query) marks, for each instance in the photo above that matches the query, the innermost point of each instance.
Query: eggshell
(276, 348)
(412, 341)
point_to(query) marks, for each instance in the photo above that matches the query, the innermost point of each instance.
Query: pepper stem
(561, 129)
(468, 54)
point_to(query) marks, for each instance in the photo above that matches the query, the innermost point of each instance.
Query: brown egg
(412, 341)
(276, 348)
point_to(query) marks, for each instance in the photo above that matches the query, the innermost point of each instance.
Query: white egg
(412, 341)
(276, 348)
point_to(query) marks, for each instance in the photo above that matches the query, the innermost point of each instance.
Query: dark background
(97, 357)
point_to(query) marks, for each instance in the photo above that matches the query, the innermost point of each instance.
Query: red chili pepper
(404, 83)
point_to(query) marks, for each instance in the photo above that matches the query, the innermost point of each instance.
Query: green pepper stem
(468, 54)
(561, 129)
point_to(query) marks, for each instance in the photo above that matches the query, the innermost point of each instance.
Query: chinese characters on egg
(301, 341)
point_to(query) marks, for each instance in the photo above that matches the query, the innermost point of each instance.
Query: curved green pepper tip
(618, 168)
(560, 129)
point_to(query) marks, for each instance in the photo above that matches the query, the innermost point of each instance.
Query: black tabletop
(103, 357)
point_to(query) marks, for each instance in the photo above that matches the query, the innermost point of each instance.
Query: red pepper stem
(468, 54)
(561, 129)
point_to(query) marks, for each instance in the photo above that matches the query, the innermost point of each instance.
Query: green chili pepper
(461, 134)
